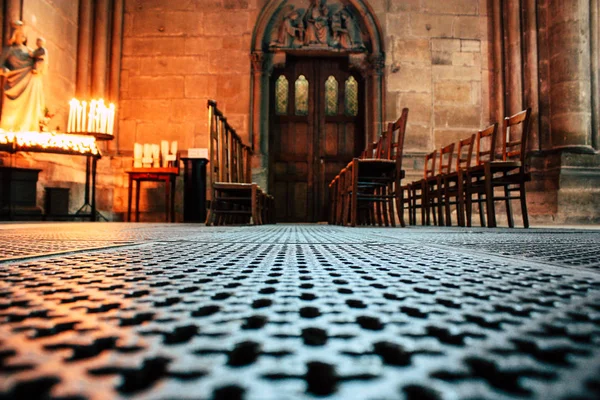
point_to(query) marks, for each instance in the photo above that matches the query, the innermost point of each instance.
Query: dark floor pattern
(294, 312)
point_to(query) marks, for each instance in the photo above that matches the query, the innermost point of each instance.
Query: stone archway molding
(371, 63)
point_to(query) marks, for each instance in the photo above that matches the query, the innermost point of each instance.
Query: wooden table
(139, 175)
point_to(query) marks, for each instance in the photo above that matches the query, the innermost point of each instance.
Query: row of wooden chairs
(493, 176)
(235, 198)
(364, 192)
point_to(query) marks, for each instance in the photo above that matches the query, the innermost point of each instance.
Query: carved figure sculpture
(23, 106)
(346, 32)
(291, 31)
(317, 23)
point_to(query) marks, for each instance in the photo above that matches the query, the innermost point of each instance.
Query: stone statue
(291, 31)
(23, 106)
(317, 23)
(346, 32)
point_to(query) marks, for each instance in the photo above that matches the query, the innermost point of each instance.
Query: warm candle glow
(92, 117)
(36, 141)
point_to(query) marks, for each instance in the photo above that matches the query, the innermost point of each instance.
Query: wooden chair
(454, 182)
(485, 146)
(235, 199)
(370, 181)
(510, 173)
(418, 191)
(435, 185)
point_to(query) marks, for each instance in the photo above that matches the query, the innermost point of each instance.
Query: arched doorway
(317, 98)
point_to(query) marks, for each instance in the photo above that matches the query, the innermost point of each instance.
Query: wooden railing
(235, 198)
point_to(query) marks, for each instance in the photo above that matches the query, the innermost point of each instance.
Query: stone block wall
(57, 22)
(438, 65)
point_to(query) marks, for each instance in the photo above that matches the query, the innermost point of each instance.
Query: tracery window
(351, 100)
(331, 96)
(301, 87)
(281, 95)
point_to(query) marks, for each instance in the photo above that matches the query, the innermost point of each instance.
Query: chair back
(485, 144)
(397, 130)
(515, 133)
(464, 153)
(430, 164)
(214, 142)
(445, 159)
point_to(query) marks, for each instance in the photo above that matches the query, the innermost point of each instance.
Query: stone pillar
(259, 124)
(13, 12)
(570, 74)
(543, 53)
(84, 49)
(100, 48)
(530, 70)
(376, 88)
(115, 60)
(498, 56)
(595, 46)
(513, 72)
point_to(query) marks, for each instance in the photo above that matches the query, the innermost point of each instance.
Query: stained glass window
(281, 95)
(331, 96)
(351, 102)
(301, 95)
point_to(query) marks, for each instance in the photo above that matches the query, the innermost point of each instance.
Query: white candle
(174, 147)
(78, 124)
(147, 150)
(71, 124)
(111, 119)
(138, 151)
(90, 125)
(164, 151)
(83, 116)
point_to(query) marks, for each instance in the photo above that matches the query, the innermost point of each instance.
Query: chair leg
(523, 199)
(354, 199)
(489, 199)
(400, 204)
(509, 214)
(389, 190)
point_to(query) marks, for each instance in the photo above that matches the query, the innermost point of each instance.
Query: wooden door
(317, 126)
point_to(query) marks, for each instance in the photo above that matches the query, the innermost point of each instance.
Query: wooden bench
(235, 198)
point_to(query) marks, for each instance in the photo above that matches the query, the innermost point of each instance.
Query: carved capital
(377, 62)
(258, 59)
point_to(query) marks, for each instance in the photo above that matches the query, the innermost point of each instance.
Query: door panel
(307, 151)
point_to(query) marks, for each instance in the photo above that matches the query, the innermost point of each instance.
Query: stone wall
(438, 65)
(179, 54)
(57, 22)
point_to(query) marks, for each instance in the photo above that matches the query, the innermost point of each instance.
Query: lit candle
(83, 116)
(111, 119)
(90, 125)
(78, 124)
(72, 108)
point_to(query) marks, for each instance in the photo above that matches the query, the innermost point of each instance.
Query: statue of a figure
(23, 106)
(291, 31)
(346, 33)
(317, 23)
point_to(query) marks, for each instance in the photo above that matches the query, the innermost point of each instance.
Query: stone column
(570, 74)
(259, 123)
(115, 60)
(375, 84)
(100, 48)
(513, 73)
(595, 46)
(13, 11)
(530, 70)
(84, 49)
(498, 55)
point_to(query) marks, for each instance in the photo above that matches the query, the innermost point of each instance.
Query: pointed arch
(370, 61)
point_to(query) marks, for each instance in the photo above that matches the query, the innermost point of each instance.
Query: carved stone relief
(321, 25)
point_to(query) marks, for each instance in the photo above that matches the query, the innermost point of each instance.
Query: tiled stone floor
(154, 311)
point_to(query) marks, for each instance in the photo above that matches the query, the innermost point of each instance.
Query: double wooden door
(317, 127)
